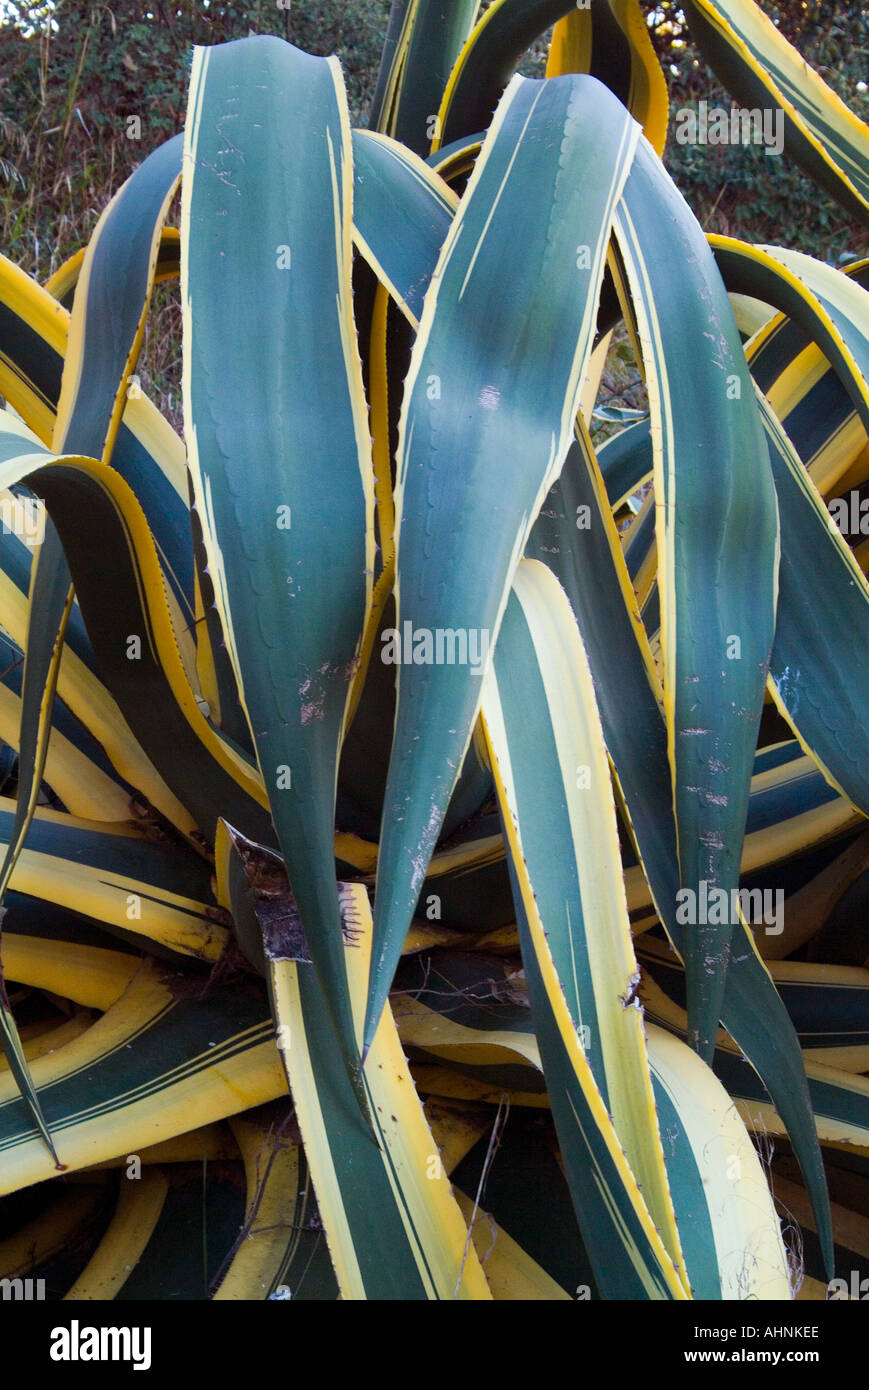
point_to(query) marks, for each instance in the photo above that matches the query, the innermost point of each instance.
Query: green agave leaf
(276, 495)
(832, 308)
(620, 415)
(61, 284)
(192, 1236)
(852, 1247)
(401, 215)
(626, 460)
(392, 1225)
(423, 40)
(818, 665)
(640, 546)
(78, 677)
(460, 1011)
(556, 803)
(610, 40)
(757, 65)
(281, 1245)
(118, 878)
(50, 604)
(489, 56)
(149, 455)
(488, 405)
(93, 391)
(106, 327)
(51, 948)
(526, 1167)
(139, 1207)
(826, 1003)
(154, 1055)
(588, 561)
(77, 768)
(106, 540)
(714, 495)
(727, 1221)
(613, 46)
(814, 408)
(840, 1099)
(171, 1228)
(365, 758)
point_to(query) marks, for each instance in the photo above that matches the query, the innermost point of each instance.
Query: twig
(494, 1142)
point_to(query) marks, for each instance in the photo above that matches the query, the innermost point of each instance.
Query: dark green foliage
(72, 76)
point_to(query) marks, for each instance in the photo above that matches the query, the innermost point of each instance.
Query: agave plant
(407, 787)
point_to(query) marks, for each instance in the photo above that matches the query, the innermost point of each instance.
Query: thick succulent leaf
(788, 795)
(756, 64)
(402, 212)
(107, 540)
(392, 1225)
(525, 1192)
(104, 340)
(455, 160)
(512, 1273)
(468, 1013)
(61, 284)
(487, 60)
(111, 301)
(610, 40)
(197, 612)
(792, 806)
(50, 604)
(105, 334)
(816, 904)
(714, 495)
(160, 1062)
(827, 1003)
(117, 877)
(851, 1231)
(832, 308)
(730, 1231)
(389, 182)
(52, 598)
(162, 488)
(52, 948)
(641, 551)
(191, 1237)
(811, 402)
(281, 1245)
(819, 659)
(76, 767)
(66, 1222)
(493, 388)
(625, 461)
(554, 789)
(839, 1099)
(139, 1208)
(423, 41)
(607, 39)
(34, 330)
(276, 495)
(79, 684)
